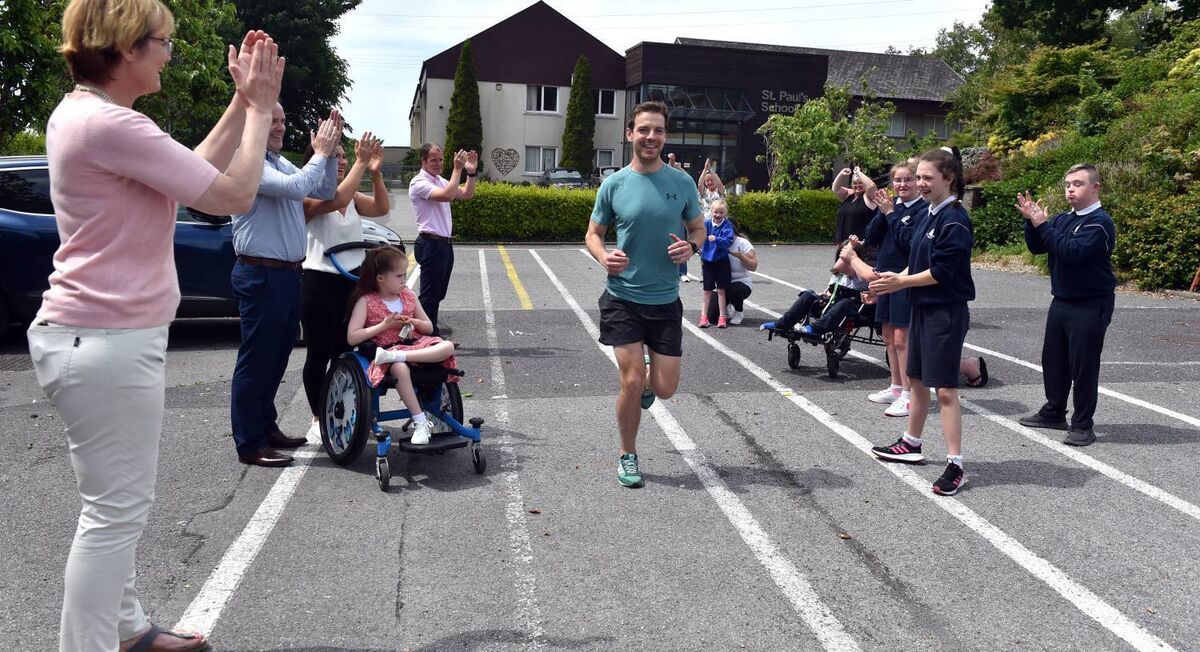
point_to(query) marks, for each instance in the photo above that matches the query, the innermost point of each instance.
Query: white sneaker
(314, 432)
(735, 316)
(683, 278)
(886, 396)
(421, 433)
(898, 408)
(384, 356)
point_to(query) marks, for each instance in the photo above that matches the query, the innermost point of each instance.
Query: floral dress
(390, 339)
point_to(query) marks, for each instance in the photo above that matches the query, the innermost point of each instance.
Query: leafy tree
(802, 148)
(464, 125)
(1062, 24)
(195, 86)
(580, 129)
(316, 80)
(34, 75)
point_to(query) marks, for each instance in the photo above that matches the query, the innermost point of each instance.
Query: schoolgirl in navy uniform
(939, 280)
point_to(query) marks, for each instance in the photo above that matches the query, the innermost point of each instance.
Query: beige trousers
(109, 388)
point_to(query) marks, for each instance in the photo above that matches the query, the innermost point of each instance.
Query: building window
(542, 98)
(540, 159)
(606, 101)
(604, 158)
(936, 124)
(896, 126)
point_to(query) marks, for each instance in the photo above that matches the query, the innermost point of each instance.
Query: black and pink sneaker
(951, 481)
(901, 451)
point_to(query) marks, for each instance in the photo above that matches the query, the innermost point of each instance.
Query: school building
(719, 93)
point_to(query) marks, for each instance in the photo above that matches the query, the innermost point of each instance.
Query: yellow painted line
(526, 304)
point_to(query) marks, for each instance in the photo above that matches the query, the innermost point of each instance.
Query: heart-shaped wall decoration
(505, 160)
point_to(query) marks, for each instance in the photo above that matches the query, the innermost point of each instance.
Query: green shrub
(25, 143)
(794, 216)
(507, 213)
(1158, 239)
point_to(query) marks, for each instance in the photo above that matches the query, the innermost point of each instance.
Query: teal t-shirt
(646, 208)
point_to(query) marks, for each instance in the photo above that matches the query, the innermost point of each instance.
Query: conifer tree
(464, 125)
(580, 128)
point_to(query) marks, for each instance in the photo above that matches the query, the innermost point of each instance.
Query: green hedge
(1158, 238)
(507, 213)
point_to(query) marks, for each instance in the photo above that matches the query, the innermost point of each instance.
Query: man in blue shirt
(649, 203)
(1080, 246)
(270, 242)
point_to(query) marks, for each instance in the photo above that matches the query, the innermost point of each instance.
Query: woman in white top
(325, 293)
(742, 261)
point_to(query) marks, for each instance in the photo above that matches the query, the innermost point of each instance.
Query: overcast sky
(385, 41)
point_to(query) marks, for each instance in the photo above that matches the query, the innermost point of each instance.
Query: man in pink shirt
(431, 196)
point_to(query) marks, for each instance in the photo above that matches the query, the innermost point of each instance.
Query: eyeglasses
(168, 42)
(904, 180)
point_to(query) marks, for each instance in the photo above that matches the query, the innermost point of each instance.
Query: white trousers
(109, 388)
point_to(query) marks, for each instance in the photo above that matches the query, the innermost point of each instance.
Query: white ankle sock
(419, 418)
(955, 459)
(897, 388)
(913, 441)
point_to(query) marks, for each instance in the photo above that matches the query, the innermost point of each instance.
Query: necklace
(95, 91)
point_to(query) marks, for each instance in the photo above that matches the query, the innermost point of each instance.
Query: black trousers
(736, 293)
(1071, 356)
(323, 313)
(436, 258)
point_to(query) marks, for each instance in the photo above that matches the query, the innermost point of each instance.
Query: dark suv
(29, 237)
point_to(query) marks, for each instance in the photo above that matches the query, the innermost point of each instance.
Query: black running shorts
(660, 327)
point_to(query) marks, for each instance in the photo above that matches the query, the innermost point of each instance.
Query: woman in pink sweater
(99, 340)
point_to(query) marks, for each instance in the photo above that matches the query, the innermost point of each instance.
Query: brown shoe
(266, 457)
(279, 440)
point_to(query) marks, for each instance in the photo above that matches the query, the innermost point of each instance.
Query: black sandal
(146, 642)
(982, 378)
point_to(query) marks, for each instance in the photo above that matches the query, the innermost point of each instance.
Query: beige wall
(508, 127)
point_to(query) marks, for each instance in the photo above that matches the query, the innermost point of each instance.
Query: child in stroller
(818, 314)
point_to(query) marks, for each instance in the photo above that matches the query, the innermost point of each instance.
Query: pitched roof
(536, 45)
(889, 76)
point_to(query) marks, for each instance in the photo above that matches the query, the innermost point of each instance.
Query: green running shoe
(627, 471)
(647, 399)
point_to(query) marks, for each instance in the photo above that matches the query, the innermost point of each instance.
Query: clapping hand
(259, 68)
(845, 172)
(328, 134)
(1033, 211)
(239, 59)
(375, 160)
(460, 160)
(883, 199)
(472, 162)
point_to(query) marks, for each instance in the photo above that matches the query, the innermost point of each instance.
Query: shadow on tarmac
(1144, 433)
(1026, 472)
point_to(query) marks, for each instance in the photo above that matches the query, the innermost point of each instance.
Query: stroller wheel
(832, 362)
(383, 473)
(478, 459)
(793, 355)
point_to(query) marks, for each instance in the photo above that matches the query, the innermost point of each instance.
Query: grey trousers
(108, 386)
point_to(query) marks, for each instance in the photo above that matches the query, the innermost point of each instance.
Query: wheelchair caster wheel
(832, 362)
(383, 473)
(793, 355)
(478, 460)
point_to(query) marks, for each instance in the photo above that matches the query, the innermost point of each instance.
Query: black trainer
(951, 481)
(1039, 421)
(1080, 437)
(901, 451)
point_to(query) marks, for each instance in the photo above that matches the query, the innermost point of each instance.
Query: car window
(27, 191)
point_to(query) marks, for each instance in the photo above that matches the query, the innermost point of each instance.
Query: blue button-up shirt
(274, 227)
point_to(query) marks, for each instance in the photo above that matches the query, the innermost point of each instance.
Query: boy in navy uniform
(1080, 245)
(939, 282)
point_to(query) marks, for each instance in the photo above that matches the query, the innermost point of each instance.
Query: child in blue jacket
(714, 257)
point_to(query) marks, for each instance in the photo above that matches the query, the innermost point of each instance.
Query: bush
(506, 213)
(795, 216)
(1158, 243)
(25, 143)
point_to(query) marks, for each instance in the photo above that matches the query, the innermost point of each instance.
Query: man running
(649, 203)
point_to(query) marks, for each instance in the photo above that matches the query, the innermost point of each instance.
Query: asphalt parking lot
(765, 523)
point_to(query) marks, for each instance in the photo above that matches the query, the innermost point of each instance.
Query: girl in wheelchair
(387, 312)
(840, 301)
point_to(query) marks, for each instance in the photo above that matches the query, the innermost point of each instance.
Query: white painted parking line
(779, 281)
(787, 577)
(1087, 602)
(202, 614)
(514, 510)
(1103, 390)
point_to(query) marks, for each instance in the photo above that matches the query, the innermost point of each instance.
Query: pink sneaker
(722, 322)
(703, 323)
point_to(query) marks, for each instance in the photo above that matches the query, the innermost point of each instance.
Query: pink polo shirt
(115, 178)
(431, 216)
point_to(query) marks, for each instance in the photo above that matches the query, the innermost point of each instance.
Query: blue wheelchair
(350, 406)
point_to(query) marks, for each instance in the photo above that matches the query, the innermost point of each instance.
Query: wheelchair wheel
(832, 362)
(477, 459)
(793, 355)
(345, 411)
(383, 473)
